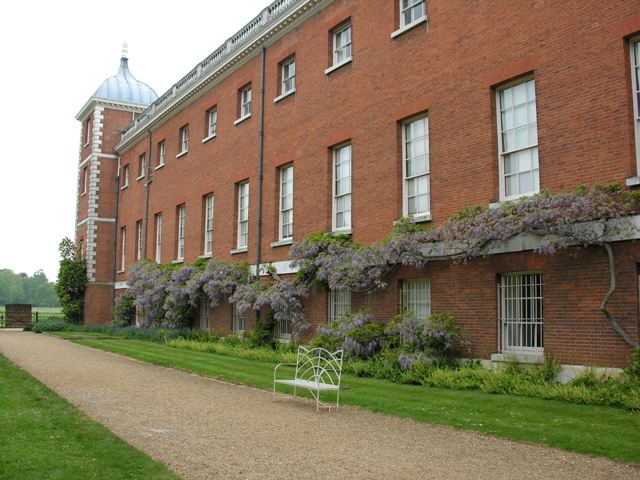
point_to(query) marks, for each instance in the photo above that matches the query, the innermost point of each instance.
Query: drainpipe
(260, 173)
(147, 187)
(115, 238)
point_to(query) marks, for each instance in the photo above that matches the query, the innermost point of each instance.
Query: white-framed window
(245, 101)
(87, 131)
(208, 224)
(411, 11)
(162, 153)
(184, 139)
(158, 237)
(288, 76)
(84, 179)
(342, 188)
(521, 312)
(415, 167)
(182, 217)
(238, 320)
(339, 304)
(286, 202)
(282, 329)
(416, 297)
(125, 176)
(142, 161)
(518, 140)
(123, 248)
(212, 122)
(243, 215)
(342, 43)
(635, 85)
(205, 314)
(139, 240)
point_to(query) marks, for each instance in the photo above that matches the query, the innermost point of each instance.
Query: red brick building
(362, 112)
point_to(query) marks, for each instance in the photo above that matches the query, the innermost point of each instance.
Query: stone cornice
(94, 101)
(273, 22)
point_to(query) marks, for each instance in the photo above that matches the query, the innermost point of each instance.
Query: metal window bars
(521, 313)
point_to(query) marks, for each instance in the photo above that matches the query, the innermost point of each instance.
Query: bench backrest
(319, 365)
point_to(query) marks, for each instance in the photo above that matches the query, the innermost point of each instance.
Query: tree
(72, 281)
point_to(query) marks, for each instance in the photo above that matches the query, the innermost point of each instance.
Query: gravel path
(208, 429)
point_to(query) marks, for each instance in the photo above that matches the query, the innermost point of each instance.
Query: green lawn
(44, 437)
(605, 431)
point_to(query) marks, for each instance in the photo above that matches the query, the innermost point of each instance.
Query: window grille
(238, 320)
(521, 312)
(339, 304)
(205, 314)
(416, 297)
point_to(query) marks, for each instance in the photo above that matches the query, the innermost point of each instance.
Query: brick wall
(18, 315)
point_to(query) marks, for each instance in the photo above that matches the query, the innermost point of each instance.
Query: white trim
(408, 27)
(240, 221)
(635, 98)
(284, 95)
(280, 209)
(334, 151)
(120, 285)
(182, 154)
(282, 243)
(338, 65)
(242, 119)
(177, 261)
(239, 250)
(158, 167)
(206, 256)
(210, 137)
(139, 177)
(633, 181)
(284, 267)
(417, 217)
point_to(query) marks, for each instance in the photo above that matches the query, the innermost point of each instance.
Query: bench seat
(323, 387)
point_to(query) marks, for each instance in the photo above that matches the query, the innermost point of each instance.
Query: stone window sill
(235, 251)
(633, 181)
(282, 243)
(335, 67)
(205, 256)
(160, 166)
(124, 186)
(139, 178)
(182, 154)
(284, 95)
(425, 217)
(411, 26)
(344, 231)
(242, 119)
(210, 137)
(177, 261)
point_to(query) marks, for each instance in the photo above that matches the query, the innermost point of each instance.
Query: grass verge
(594, 430)
(43, 436)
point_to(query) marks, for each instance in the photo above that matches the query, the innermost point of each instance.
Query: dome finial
(125, 50)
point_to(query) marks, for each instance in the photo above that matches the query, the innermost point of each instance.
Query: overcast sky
(54, 56)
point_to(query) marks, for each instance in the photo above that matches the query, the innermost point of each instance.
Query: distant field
(43, 312)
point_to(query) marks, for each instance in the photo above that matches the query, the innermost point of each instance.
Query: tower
(108, 111)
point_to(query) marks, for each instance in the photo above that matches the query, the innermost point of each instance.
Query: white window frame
(158, 237)
(182, 219)
(238, 320)
(337, 33)
(413, 5)
(212, 122)
(339, 304)
(85, 174)
(286, 229)
(243, 216)
(184, 140)
(416, 297)
(288, 77)
(418, 215)
(532, 146)
(142, 167)
(125, 173)
(245, 102)
(205, 314)
(209, 204)
(162, 154)
(634, 52)
(334, 214)
(520, 315)
(87, 132)
(123, 248)
(139, 240)
(282, 330)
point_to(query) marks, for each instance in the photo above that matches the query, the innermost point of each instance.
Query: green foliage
(36, 289)
(50, 325)
(633, 369)
(72, 281)
(124, 310)
(262, 334)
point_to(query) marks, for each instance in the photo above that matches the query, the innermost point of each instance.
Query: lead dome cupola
(124, 87)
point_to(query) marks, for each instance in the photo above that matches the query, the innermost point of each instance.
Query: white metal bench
(317, 370)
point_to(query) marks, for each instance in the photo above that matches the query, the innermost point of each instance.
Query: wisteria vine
(586, 216)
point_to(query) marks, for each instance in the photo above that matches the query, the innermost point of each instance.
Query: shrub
(124, 310)
(357, 334)
(633, 369)
(51, 325)
(72, 281)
